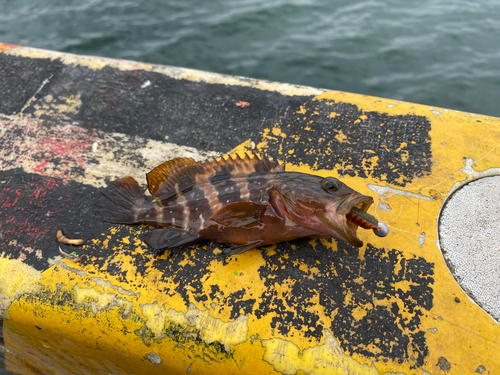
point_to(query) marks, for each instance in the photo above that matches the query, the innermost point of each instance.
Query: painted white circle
(469, 236)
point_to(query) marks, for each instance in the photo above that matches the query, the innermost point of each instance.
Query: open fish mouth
(350, 214)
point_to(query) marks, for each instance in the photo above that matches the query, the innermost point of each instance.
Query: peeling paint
(57, 260)
(156, 317)
(474, 174)
(384, 206)
(18, 278)
(98, 301)
(108, 285)
(212, 329)
(64, 109)
(421, 239)
(202, 313)
(287, 358)
(383, 190)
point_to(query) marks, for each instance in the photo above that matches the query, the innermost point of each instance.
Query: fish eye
(330, 184)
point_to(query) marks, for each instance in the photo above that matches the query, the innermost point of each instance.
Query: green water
(437, 52)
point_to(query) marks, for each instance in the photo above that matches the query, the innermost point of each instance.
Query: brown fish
(247, 202)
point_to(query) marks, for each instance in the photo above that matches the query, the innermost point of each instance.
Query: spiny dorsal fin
(163, 172)
(175, 177)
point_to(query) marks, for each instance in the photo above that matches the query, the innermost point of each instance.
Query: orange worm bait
(61, 238)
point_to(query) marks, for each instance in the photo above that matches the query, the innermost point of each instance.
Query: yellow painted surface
(88, 318)
(461, 332)
(18, 278)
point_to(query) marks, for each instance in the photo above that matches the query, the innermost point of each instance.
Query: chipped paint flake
(98, 301)
(212, 329)
(18, 278)
(383, 190)
(156, 317)
(328, 358)
(421, 239)
(473, 174)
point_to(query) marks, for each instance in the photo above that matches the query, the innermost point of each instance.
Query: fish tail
(122, 202)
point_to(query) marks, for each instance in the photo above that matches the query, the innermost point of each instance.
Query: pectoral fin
(238, 249)
(168, 238)
(240, 215)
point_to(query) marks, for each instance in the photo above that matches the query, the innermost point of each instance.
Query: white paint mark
(421, 239)
(384, 206)
(146, 84)
(95, 145)
(30, 100)
(382, 190)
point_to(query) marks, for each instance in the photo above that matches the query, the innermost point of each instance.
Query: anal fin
(168, 238)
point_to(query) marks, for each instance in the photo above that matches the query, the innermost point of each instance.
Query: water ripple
(437, 52)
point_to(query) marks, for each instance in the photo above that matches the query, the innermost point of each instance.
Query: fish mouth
(342, 221)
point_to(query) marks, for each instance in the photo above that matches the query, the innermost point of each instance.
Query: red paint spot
(62, 150)
(23, 214)
(58, 151)
(5, 46)
(41, 191)
(9, 203)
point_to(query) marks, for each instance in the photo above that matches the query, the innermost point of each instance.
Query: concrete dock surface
(423, 300)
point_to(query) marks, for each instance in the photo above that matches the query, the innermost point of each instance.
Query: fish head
(321, 205)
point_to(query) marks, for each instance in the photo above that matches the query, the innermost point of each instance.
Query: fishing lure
(247, 202)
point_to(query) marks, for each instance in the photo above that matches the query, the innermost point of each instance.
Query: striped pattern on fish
(247, 202)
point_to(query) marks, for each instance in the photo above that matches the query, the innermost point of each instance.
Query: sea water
(436, 52)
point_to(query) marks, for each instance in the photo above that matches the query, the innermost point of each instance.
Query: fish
(246, 202)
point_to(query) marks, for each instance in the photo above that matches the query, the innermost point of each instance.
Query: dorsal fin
(162, 172)
(175, 177)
